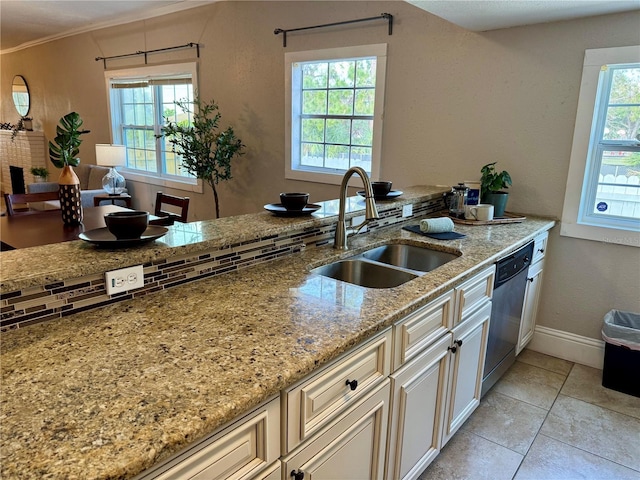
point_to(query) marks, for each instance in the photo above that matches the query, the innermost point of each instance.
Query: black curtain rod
(141, 52)
(387, 16)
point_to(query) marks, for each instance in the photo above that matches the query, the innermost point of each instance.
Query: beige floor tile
(585, 383)
(557, 365)
(550, 459)
(608, 434)
(530, 384)
(468, 456)
(506, 421)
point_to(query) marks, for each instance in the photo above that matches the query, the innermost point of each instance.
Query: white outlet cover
(123, 280)
(407, 210)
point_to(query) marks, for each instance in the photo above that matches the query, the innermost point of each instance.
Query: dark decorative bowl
(127, 225)
(294, 201)
(381, 189)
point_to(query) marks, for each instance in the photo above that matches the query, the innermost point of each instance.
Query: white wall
(455, 100)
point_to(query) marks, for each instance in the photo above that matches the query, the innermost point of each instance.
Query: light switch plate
(407, 210)
(124, 279)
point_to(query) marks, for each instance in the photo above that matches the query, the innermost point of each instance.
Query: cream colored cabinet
(246, 449)
(466, 367)
(274, 472)
(532, 293)
(417, 387)
(352, 446)
(315, 401)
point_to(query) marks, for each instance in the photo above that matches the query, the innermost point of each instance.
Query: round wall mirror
(20, 92)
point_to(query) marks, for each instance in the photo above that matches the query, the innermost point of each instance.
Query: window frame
(190, 184)
(576, 221)
(330, 176)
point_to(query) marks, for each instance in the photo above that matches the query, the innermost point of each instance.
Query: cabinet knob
(530, 279)
(458, 342)
(541, 250)
(453, 349)
(353, 384)
(299, 475)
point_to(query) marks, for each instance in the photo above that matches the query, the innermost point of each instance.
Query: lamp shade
(111, 155)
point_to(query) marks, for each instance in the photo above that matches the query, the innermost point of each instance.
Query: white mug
(482, 212)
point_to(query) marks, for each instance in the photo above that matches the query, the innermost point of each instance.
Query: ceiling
(29, 22)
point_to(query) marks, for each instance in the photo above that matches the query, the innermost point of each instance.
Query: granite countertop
(109, 392)
(28, 267)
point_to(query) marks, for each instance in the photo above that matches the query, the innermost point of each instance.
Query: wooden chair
(168, 217)
(12, 199)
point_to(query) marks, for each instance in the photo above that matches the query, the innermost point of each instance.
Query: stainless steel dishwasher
(506, 313)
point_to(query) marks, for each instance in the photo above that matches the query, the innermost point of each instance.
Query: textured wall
(455, 100)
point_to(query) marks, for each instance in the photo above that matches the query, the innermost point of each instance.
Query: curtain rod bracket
(145, 53)
(386, 16)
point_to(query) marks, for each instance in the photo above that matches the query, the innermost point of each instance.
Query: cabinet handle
(541, 250)
(458, 342)
(299, 475)
(353, 384)
(530, 279)
(453, 349)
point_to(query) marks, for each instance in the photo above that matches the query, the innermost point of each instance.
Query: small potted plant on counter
(40, 174)
(493, 186)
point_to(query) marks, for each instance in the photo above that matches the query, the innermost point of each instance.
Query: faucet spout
(371, 211)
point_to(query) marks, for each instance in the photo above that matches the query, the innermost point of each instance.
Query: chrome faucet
(371, 212)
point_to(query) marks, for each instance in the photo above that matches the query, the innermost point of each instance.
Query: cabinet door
(530, 306)
(465, 369)
(353, 446)
(417, 408)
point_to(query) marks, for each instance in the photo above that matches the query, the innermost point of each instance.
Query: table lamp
(112, 156)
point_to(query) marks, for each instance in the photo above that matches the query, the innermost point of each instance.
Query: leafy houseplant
(40, 172)
(67, 142)
(63, 153)
(206, 152)
(493, 185)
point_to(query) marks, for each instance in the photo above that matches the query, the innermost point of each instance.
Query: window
(602, 200)
(140, 101)
(335, 101)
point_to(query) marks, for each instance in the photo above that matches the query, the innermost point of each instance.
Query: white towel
(436, 225)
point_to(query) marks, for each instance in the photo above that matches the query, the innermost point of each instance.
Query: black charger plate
(102, 237)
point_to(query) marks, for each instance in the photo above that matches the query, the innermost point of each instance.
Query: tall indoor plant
(206, 152)
(492, 186)
(63, 153)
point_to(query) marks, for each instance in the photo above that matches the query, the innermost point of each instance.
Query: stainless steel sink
(409, 256)
(365, 273)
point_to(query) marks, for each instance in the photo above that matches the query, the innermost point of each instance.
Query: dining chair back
(167, 217)
(14, 199)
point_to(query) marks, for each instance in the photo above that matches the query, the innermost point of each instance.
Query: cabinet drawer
(352, 446)
(539, 247)
(421, 328)
(318, 399)
(473, 293)
(239, 451)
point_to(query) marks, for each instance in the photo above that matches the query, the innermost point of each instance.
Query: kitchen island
(109, 392)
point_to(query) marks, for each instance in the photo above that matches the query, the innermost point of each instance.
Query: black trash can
(621, 371)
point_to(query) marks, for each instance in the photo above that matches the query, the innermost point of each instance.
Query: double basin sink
(386, 266)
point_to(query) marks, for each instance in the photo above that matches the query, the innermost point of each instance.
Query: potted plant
(63, 153)
(206, 152)
(493, 185)
(40, 173)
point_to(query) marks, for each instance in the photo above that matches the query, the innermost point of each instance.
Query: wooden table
(22, 231)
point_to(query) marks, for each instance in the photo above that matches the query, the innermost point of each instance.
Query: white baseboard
(568, 346)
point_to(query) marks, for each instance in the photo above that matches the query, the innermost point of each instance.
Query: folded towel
(436, 225)
(437, 236)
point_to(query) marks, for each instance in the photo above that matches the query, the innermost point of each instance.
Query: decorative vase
(70, 202)
(499, 202)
